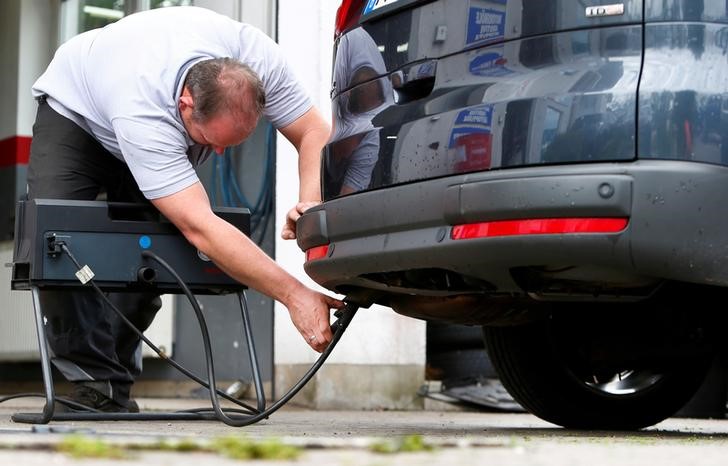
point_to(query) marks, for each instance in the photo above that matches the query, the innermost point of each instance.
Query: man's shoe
(94, 399)
(132, 406)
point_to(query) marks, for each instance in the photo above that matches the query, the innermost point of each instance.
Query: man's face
(218, 132)
(221, 131)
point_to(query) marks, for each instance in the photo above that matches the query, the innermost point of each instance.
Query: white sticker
(85, 274)
(605, 10)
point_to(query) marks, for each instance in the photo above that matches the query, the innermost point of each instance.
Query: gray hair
(224, 84)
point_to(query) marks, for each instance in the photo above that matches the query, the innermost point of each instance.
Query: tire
(536, 367)
(462, 364)
(447, 337)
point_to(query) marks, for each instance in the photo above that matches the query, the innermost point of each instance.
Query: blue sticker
(426, 69)
(145, 242)
(485, 25)
(478, 115)
(491, 64)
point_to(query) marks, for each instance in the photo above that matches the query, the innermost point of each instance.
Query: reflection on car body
(583, 72)
(355, 149)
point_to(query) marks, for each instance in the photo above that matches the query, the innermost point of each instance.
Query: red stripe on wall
(15, 151)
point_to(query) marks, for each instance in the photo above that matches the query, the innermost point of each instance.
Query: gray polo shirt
(122, 83)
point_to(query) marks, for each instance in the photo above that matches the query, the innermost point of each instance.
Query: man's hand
(310, 312)
(289, 229)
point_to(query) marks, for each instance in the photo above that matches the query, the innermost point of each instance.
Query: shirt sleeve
(156, 156)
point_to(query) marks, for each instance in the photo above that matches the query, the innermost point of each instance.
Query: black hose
(338, 329)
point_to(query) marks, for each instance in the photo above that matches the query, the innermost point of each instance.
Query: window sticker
(470, 143)
(491, 63)
(373, 5)
(485, 25)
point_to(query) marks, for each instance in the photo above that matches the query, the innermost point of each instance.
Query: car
(553, 171)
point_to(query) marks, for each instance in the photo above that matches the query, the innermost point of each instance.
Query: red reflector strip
(318, 252)
(543, 226)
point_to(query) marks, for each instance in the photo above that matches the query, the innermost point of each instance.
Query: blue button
(145, 242)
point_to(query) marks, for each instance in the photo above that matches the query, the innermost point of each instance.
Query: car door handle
(415, 82)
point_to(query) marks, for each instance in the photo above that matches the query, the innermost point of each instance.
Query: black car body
(554, 170)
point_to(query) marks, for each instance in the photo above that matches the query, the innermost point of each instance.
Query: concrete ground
(350, 437)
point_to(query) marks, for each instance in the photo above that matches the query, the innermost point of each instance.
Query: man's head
(221, 102)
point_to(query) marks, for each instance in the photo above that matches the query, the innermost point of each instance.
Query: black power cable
(250, 415)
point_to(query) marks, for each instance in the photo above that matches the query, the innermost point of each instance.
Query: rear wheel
(584, 373)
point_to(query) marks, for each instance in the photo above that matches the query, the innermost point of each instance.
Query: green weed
(83, 447)
(233, 447)
(244, 449)
(410, 443)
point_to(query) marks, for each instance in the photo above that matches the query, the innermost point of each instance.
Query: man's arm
(308, 134)
(240, 258)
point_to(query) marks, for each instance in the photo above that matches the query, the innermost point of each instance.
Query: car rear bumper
(399, 240)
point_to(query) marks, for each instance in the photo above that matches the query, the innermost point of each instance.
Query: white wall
(377, 335)
(9, 33)
(38, 37)
(260, 14)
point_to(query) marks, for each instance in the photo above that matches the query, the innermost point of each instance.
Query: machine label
(85, 274)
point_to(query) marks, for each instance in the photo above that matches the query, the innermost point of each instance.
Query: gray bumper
(678, 229)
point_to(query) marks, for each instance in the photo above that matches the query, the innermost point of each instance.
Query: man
(128, 110)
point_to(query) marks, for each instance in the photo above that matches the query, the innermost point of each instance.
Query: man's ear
(186, 100)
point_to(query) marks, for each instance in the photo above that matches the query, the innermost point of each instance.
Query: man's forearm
(227, 246)
(243, 260)
(309, 167)
(308, 134)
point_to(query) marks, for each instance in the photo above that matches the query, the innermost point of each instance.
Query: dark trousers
(89, 342)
